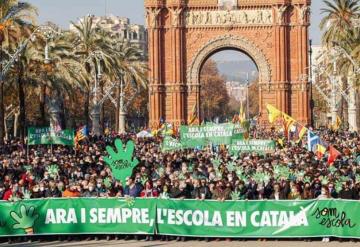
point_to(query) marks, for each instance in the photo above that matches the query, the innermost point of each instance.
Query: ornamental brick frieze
(274, 86)
(171, 88)
(193, 87)
(157, 88)
(300, 86)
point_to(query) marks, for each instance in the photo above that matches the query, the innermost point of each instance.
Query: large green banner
(194, 136)
(37, 136)
(77, 216)
(236, 219)
(250, 146)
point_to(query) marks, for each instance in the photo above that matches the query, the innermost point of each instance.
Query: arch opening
(228, 79)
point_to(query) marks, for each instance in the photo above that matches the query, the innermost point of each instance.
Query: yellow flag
(273, 113)
(242, 116)
(337, 124)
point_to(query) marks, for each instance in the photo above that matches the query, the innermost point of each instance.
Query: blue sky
(62, 12)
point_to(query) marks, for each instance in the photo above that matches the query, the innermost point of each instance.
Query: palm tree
(131, 70)
(88, 42)
(337, 22)
(12, 13)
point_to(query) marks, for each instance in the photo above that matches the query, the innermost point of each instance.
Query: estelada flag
(301, 131)
(333, 154)
(194, 115)
(287, 122)
(320, 151)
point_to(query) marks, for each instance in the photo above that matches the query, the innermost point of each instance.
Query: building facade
(184, 33)
(121, 27)
(237, 90)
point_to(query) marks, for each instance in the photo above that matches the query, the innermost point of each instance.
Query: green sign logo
(121, 162)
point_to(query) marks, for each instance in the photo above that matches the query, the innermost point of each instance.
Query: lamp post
(333, 108)
(122, 113)
(94, 59)
(247, 96)
(48, 32)
(311, 84)
(351, 97)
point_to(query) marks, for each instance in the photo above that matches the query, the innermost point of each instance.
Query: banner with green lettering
(194, 136)
(250, 146)
(235, 219)
(47, 136)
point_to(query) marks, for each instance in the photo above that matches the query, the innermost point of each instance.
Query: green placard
(47, 136)
(122, 161)
(170, 144)
(194, 136)
(250, 146)
(236, 219)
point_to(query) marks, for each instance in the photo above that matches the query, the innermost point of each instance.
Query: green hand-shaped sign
(122, 161)
(26, 219)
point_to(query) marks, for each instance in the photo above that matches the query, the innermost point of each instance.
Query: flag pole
(27, 151)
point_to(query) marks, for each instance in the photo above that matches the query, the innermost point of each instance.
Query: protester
(182, 174)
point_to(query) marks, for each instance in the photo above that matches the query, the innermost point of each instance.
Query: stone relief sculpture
(303, 14)
(151, 17)
(281, 14)
(175, 13)
(233, 17)
(268, 17)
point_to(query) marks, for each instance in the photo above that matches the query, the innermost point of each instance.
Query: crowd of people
(292, 172)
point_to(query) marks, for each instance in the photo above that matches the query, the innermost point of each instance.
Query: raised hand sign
(122, 161)
(25, 219)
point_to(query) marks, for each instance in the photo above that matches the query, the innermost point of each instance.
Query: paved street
(133, 243)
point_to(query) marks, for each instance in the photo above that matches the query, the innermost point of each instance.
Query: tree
(132, 71)
(91, 40)
(337, 22)
(214, 96)
(254, 98)
(12, 13)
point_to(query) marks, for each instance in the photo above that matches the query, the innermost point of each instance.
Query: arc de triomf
(182, 34)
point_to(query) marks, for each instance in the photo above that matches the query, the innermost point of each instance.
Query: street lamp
(94, 60)
(351, 97)
(47, 31)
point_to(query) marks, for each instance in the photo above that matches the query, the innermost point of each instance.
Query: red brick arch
(184, 33)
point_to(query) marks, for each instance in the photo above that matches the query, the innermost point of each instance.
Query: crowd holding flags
(314, 142)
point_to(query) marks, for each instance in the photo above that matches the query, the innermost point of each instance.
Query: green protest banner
(170, 144)
(250, 146)
(47, 136)
(235, 219)
(77, 216)
(194, 136)
(121, 162)
(264, 219)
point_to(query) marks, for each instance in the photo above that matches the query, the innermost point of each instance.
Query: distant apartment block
(123, 29)
(236, 90)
